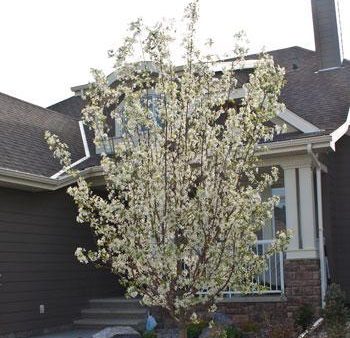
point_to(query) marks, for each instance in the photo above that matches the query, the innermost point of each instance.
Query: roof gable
(320, 98)
(22, 128)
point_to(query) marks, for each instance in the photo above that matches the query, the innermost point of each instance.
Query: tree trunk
(183, 331)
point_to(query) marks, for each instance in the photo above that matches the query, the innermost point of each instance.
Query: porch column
(292, 223)
(300, 211)
(302, 265)
(307, 212)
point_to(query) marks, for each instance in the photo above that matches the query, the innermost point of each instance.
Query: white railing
(271, 281)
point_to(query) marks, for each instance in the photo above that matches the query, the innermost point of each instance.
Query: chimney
(327, 30)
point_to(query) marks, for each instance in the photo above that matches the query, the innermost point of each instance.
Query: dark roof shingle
(22, 127)
(321, 98)
(71, 106)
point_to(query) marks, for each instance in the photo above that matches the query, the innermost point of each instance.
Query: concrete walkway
(74, 333)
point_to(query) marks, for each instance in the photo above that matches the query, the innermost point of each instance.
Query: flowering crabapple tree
(183, 204)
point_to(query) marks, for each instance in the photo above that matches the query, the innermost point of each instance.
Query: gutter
(86, 149)
(319, 168)
(296, 145)
(32, 182)
(27, 181)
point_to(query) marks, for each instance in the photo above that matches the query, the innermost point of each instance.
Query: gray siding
(38, 237)
(338, 217)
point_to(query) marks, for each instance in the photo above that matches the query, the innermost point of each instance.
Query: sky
(48, 46)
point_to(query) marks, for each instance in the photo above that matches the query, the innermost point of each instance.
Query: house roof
(71, 106)
(22, 128)
(321, 98)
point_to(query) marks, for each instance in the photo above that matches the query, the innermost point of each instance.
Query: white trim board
(86, 149)
(341, 131)
(297, 121)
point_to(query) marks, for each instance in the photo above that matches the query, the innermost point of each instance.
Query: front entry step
(106, 312)
(101, 323)
(115, 303)
(114, 313)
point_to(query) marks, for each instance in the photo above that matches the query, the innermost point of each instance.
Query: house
(43, 287)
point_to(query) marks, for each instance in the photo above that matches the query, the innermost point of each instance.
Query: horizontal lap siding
(38, 237)
(339, 166)
(329, 203)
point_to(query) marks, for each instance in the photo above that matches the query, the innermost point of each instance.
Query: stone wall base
(274, 313)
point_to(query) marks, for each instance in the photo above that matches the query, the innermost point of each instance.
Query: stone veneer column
(303, 284)
(302, 265)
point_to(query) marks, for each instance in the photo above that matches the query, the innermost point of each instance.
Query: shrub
(149, 334)
(304, 316)
(278, 329)
(281, 331)
(231, 332)
(195, 329)
(335, 312)
(250, 326)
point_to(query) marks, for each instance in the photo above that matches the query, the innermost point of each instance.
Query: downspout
(319, 167)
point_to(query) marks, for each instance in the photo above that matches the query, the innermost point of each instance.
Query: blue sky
(48, 46)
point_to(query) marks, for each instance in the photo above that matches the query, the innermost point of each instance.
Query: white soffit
(297, 121)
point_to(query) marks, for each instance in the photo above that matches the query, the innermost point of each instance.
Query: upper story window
(150, 100)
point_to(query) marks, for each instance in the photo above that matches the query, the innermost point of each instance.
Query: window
(278, 221)
(152, 101)
(279, 214)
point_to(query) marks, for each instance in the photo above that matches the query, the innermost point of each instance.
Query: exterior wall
(38, 237)
(302, 279)
(338, 228)
(302, 265)
(302, 282)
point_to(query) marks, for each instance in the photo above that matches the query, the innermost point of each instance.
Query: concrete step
(136, 313)
(100, 323)
(115, 303)
(105, 312)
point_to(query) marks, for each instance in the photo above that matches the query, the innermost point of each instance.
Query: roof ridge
(58, 102)
(36, 105)
(286, 48)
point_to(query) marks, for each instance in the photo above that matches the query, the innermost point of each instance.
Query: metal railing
(271, 281)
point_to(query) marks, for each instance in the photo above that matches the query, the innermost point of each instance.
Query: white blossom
(80, 254)
(183, 205)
